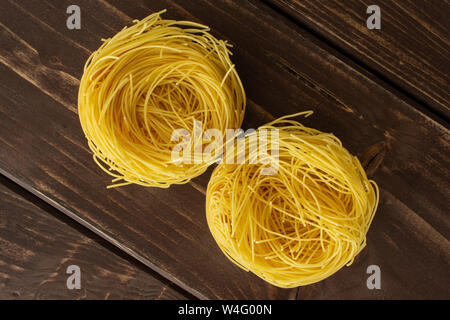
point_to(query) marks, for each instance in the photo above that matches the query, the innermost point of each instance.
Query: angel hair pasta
(300, 224)
(147, 81)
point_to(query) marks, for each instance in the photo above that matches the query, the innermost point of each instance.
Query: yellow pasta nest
(304, 222)
(147, 81)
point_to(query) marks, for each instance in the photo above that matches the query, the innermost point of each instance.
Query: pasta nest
(148, 80)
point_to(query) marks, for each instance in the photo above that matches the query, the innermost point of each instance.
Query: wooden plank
(38, 243)
(153, 225)
(411, 49)
(284, 70)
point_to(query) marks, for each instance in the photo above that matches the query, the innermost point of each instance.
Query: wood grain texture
(284, 70)
(411, 49)
(37, 246)
(167, 231)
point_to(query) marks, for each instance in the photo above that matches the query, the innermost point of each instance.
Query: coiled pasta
(148, 80)
(302, 223)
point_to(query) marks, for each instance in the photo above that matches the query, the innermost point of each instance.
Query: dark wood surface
(284, 69)
(411, 49)
(38, 245)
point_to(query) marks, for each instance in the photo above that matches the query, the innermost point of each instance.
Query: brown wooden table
(384, 92)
